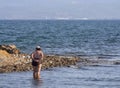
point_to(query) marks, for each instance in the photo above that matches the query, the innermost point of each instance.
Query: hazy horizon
(59, 9)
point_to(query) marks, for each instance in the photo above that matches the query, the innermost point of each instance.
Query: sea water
(92, 39)
(84, 77)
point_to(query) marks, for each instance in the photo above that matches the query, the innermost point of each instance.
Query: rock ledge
(12, 60)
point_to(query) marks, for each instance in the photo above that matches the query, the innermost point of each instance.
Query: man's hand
(36, 60)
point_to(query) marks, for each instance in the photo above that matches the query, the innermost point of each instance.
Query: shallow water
(87, 39)
(65, 77)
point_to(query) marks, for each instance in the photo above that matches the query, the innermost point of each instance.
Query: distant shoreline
(59, 19)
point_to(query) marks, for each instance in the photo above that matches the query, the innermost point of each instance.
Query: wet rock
(49, 61)
(11, 60)
(12, 49)
(116, 62)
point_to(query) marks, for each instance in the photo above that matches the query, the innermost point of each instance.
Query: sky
(59, 9)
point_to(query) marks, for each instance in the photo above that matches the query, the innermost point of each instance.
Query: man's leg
(38, 72)
(34, 75)
(35, 72)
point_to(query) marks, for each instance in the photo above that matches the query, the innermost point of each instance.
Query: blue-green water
(84, 77)
(101, 38)
(91, 39)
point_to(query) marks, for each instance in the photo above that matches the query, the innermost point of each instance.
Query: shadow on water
(36, 83)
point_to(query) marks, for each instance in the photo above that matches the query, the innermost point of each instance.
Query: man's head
(38, 48)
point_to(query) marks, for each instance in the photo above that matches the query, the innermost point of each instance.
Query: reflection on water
(36, 83)
(66, 77)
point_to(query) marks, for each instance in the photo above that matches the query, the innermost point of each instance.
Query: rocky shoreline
(12, 60)
(49, 61)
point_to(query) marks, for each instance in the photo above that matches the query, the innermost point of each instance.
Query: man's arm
(42, 55)
(32, 55)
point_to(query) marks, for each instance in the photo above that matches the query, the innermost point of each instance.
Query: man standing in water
(37, 57)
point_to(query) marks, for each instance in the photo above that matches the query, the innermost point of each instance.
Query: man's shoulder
(33, 52)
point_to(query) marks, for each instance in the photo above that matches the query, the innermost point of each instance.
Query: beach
(78, 53)
(57, 71)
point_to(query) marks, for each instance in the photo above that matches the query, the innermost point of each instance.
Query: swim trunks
(34, 63)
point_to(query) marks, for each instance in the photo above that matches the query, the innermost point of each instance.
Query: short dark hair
(38, 48)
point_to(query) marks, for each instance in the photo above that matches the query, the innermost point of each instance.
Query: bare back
(37, 55)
